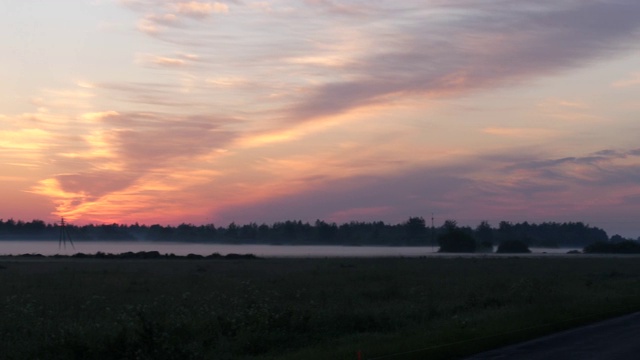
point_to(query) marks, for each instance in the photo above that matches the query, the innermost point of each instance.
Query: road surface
(614, 339)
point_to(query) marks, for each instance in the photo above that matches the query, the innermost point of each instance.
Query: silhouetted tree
(326, 232)
(232, 231)
(264, 232)
(416, 230)
(249, 232)
(455, 240)
(617, 238)
(484, 235)
(513, 246)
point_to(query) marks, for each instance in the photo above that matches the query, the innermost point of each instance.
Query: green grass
(301, 308)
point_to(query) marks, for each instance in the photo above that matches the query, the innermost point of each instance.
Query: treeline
(413, 232)
(146, 255)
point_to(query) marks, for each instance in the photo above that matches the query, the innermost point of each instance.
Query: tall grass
(300, 308)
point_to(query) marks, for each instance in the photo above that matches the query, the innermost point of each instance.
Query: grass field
(436, 308)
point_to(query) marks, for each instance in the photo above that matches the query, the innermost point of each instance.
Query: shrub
(485, 247)
(622, 247)
(456, 241)
(513, 246)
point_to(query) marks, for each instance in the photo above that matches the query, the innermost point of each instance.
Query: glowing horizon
(170, 111)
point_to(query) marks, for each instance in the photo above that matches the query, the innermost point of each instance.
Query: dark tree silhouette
(513, 246)
(411, 232)
(455, 240)
(416, 230)
(484, 235)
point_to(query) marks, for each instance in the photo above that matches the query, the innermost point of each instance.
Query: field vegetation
(391, 308)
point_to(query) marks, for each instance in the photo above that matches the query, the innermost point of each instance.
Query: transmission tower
(64, 235)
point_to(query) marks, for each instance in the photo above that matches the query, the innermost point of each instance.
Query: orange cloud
(24, 139)
(117, 159)
(100, 197)
(536, 133)
(166, 61)
(98, 116)
(256, 140)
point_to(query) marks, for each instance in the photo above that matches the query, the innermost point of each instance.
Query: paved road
(615, 339)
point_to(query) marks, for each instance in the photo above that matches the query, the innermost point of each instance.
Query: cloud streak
(487, 47)
(441, 49)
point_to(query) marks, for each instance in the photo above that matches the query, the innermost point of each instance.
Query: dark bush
(485, 247)
(240, 256)
(456, 241)
(149, 254)
(513, 247)
(622, 247)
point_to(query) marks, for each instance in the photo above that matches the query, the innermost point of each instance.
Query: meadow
(386, 308)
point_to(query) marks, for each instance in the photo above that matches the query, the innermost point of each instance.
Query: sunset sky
(162, 111)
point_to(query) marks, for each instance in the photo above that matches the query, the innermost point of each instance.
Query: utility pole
(433, 234)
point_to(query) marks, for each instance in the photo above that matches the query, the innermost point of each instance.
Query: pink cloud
(198, 9)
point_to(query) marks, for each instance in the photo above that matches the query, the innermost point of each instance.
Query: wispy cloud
(151, 24)
(605, 168)
(519, 132)
(161, 15)
(165, 61)
(439, 50)
(632, 80)
(524, 43)
(355, 8)
(199, 9)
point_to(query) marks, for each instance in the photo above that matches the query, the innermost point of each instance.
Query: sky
(169, 111)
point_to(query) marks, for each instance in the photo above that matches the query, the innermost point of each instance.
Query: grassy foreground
(436, 308)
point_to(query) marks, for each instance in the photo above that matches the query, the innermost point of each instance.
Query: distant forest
(413, 232)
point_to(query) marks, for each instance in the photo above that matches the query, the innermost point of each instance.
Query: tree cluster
(413, 232)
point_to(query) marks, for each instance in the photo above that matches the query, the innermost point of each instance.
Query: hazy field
(300, 308)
